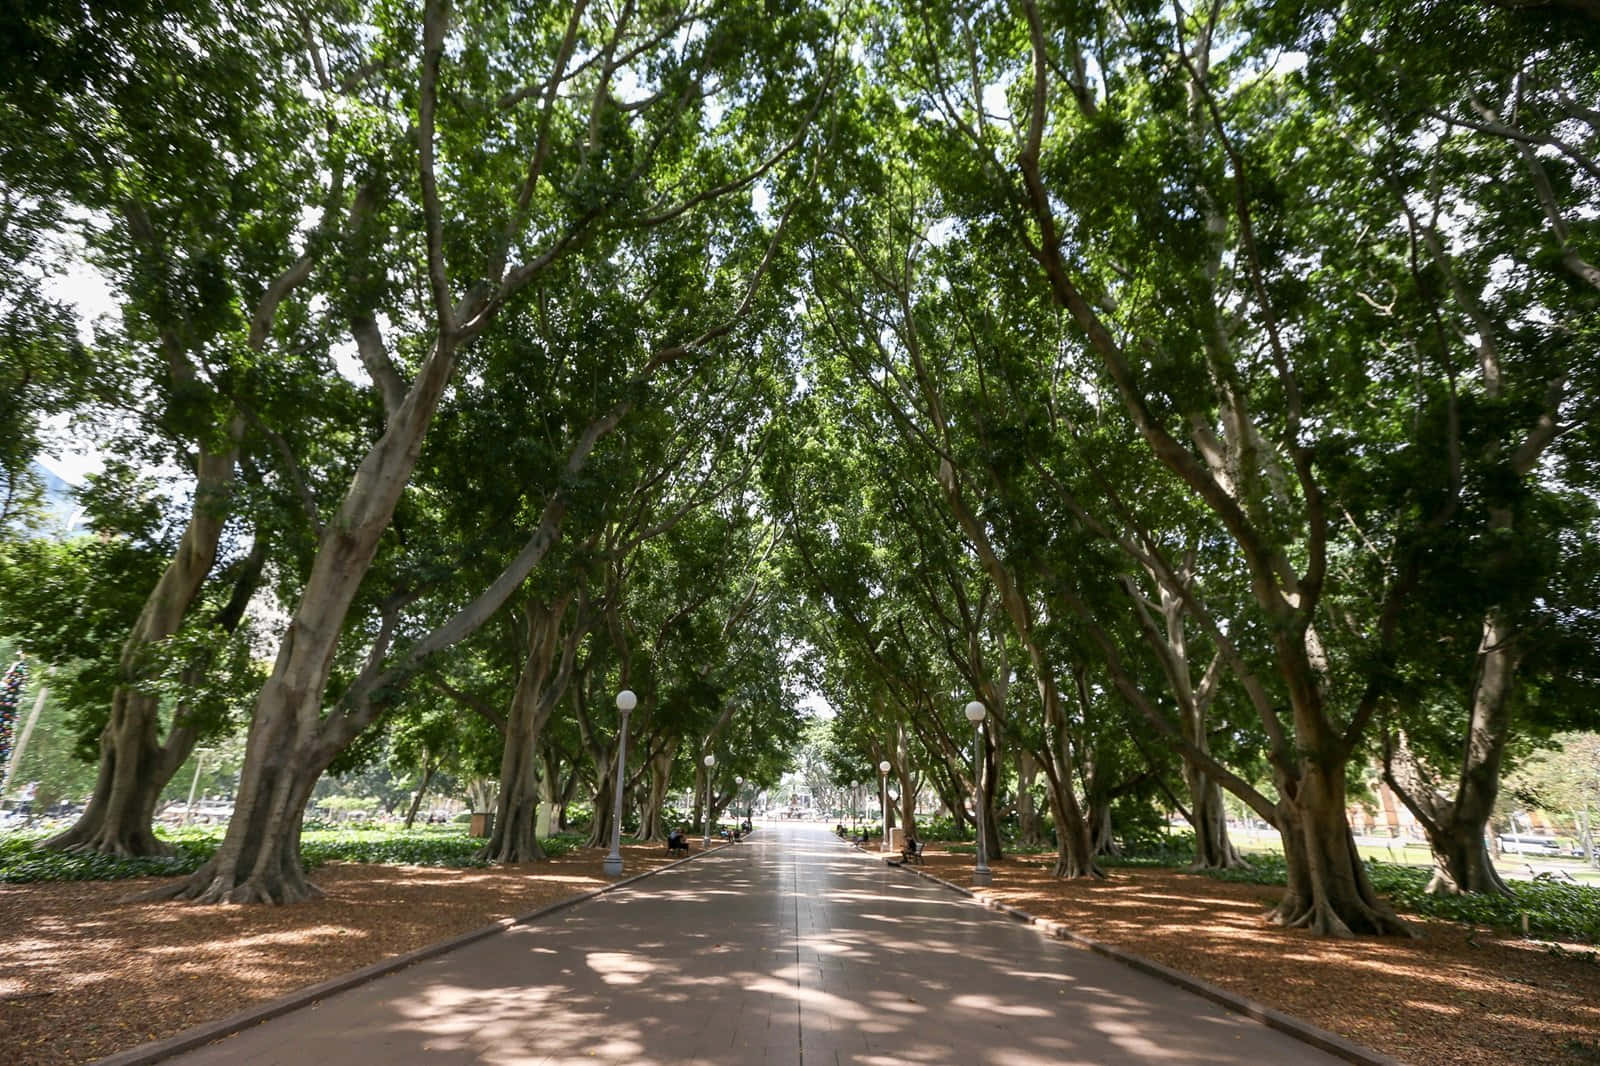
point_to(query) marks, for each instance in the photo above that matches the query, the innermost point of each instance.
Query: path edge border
(208, 1032)
(1288, 1024)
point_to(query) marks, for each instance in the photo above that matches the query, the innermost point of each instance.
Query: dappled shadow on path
(757, 954)
(1453, 995)
(84, 973)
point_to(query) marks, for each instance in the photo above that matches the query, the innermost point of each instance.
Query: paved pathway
(788, 949)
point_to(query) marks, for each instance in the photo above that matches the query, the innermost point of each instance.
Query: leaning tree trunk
(134, 767)
(1460, 854)
(1461, 860)
(569, 789)
(428, 769)
(550, 818)
(947, 784)
(259, 859)
(291, 741)
(1455, 826)
(1075, 856)
(1074, 845)
(134, 763)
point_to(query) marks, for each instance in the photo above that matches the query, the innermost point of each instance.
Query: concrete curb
(206, 1032)
(1304, 1031)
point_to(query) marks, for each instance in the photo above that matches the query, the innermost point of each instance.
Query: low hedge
(1555, 909)
(23, 858)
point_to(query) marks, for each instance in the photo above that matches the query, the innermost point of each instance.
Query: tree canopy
(1206, 392)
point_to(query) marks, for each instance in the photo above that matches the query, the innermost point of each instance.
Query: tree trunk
(602, 794)
(652, 825)
(515, 837)
(1456, 827)
(697, 815)
(134, 763)
(291, 741)
(428, 769)
(1103, 838)
(134, 767)
(1329, 892)
(908, 812)
(991, 824)
(1029, 833)
(1212, 848)
(1074, 850)
(1461, 861)
(569, 788)
(259, 859)
(481, 794)
(1075, 856)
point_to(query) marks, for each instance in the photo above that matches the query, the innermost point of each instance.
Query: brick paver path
(790, 948)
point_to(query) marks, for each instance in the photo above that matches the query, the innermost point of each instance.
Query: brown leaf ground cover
(83, 974)
(1451, 996)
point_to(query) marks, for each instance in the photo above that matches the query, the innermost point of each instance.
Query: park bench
(912, 852)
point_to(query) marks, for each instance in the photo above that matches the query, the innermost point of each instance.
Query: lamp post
(975, 714)
(883, 775)
(710, 761)
(855, 805)
(738, 791)
(626, 702)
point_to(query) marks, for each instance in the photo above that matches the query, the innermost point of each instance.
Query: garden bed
(1457, 994)
(84, 974)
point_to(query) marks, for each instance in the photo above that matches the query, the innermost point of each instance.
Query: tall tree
(638, 123)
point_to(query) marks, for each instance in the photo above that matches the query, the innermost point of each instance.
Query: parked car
(1527, 844)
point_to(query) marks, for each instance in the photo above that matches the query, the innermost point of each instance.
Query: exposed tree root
(102, 839)
(1067, 869)
(1320, 918)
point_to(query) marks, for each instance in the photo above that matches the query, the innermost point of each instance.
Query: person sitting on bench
(912, 852)
(677, 841)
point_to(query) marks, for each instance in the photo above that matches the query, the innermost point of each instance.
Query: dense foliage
(1202, 394)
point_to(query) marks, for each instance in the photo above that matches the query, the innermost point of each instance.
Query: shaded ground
(1449, 996)
(83, 974)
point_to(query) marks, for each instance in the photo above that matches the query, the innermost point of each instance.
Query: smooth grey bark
(541, 684)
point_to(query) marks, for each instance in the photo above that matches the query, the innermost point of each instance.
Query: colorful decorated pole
(10, 696)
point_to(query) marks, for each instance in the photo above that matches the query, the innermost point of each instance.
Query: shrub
(945, 828)
(422, 846)
(24, 860)
(561, 843)
(1553, 908)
